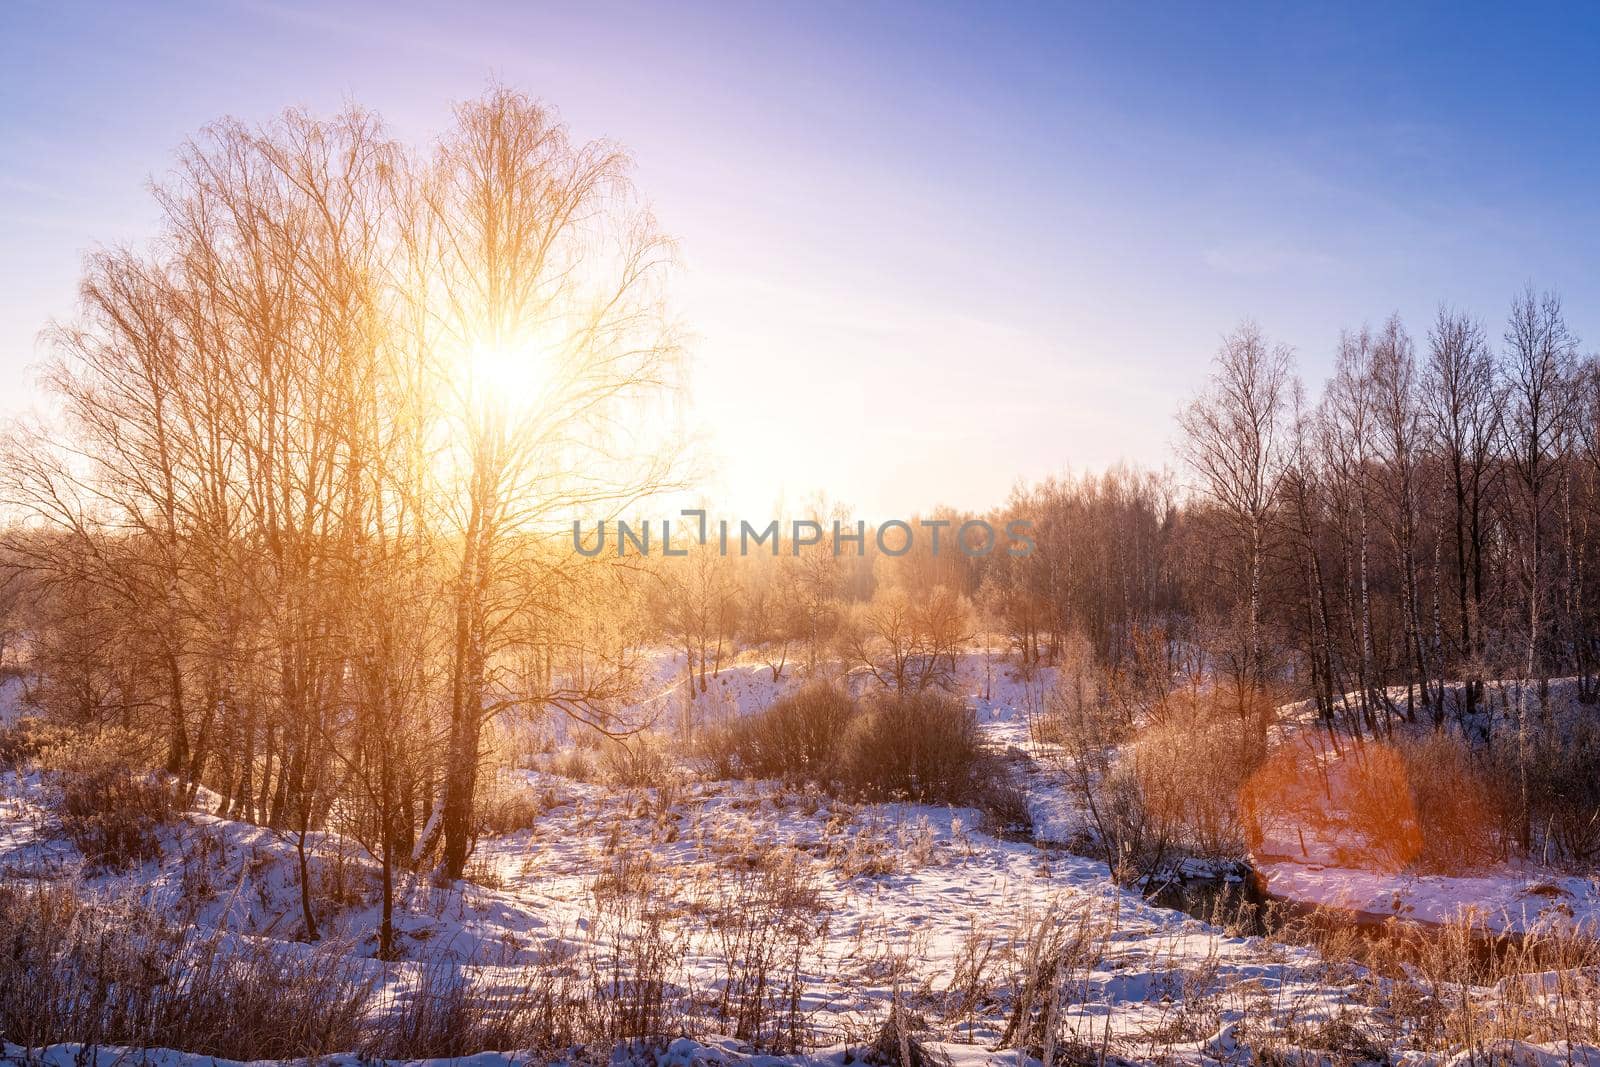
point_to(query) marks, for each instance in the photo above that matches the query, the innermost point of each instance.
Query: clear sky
(983, 242)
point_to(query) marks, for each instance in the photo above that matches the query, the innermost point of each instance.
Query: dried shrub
(1380, 806)
(1176, 787)
(640, 760)
(1421, 803)
(77, 749)
(899, 1042)
(909, 746)
(575, 764)
(113, 816)
(1564, 792)
(1189, 770)
(796, 737)
(918, 746)
(715, 750)
(509, 806)
(1004, 805)
(1077, 712)
(22, 741)
(1456, 807)
(1134, 842)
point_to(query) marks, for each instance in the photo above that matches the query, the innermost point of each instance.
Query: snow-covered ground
(895, 897)
(881, 904)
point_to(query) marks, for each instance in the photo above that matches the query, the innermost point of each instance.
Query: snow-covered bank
(1508, 900)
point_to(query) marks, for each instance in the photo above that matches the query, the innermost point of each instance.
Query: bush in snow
(639, 760)
(1563, 791)
(795, 738)
(1426, 803)
(508, 807)
(21, 742)
(1175, 786)
(920, 746)
(1190, 769)
(112, 815)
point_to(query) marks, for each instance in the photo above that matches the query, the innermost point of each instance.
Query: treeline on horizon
(278, 545)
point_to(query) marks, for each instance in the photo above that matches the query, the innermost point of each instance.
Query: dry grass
(875, 848)
(637, 987)
(575, 764)
(114, 973)
(767, 929)
(899, 1042)
(1057, 949)
(1460, 990)
(747, 920)
(1449, 991)
(109, 972)
(454, 1010)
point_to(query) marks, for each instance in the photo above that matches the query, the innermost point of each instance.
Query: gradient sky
(928, 249)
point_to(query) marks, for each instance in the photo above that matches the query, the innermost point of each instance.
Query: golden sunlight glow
(513, 376)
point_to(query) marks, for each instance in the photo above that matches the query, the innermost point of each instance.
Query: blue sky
(928, 249)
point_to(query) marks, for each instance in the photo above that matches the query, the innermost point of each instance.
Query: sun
(512, 376)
